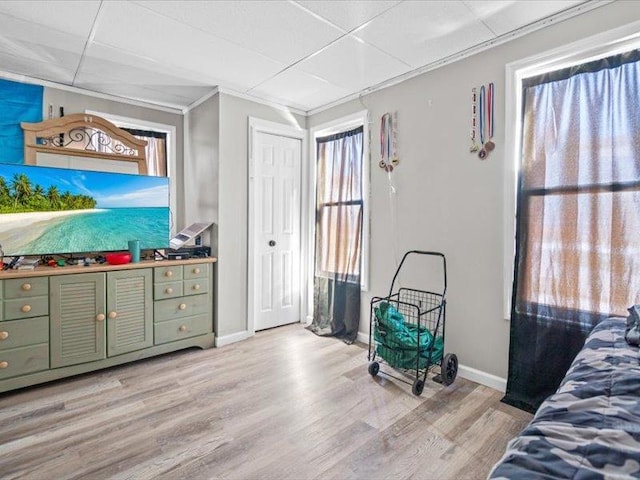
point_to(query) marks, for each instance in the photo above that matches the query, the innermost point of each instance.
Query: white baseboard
(483, 378)
(469, 373)
(233, 338)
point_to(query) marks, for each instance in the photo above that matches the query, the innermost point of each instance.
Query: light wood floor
(285, 404)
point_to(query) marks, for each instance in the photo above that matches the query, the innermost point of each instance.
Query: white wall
(448, 199)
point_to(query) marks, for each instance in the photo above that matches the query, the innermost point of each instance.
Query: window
(344, 124)
(599, 46)
(580, 188)
(156, 150)
(339, 205)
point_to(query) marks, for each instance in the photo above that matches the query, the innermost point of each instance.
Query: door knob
(272, 243)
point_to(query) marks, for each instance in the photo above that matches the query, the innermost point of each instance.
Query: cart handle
(422, 252)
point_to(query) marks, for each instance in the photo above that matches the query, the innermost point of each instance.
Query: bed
(590, 428)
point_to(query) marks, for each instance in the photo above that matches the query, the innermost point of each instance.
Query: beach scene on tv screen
(55, 210)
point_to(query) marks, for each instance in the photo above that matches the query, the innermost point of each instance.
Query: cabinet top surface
(42, 271)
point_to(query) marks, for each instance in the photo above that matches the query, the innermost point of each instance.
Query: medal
(483, 152)
(489, 146)
(474, 105)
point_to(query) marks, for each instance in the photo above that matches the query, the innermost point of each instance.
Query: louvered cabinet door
(77, 318)
(129, 311)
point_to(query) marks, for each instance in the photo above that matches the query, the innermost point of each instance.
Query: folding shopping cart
(407, 331)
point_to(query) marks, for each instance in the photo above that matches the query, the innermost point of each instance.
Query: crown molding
(246, 96)
(169, 108)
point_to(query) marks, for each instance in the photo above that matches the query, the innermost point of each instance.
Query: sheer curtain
(338, 242)
(156, 150)
(577, 249)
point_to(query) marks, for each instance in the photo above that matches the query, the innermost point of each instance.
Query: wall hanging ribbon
(389, 142)
(482, 120)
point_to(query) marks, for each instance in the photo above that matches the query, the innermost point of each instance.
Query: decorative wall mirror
(83, 141)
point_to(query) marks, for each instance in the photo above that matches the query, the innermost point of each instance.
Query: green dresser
(55, 323)
(182, 302)
(24, 326)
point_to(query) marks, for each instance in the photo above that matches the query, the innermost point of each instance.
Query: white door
(276, 226)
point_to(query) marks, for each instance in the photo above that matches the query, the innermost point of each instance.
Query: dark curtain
(19, 102)
(338, 242)
(578, 218)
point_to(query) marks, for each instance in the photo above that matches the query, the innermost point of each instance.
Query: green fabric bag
(398, 341)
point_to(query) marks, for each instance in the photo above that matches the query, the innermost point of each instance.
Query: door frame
(256, 126)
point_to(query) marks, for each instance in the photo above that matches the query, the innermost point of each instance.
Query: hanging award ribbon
(489, 146)
(474, 119)
(388, 142)
(483, 152)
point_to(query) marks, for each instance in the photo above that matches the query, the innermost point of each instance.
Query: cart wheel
(449, 368)
(374, 368)
(417, 388)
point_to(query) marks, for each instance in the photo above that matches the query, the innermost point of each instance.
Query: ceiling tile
(505, 16)
(16, 31)
(352, 64)
(300, 90)
(136, 92)
(179, 91)
(348, 14)
(115, 63)
(135, 29)
(53, 72)
(71, 16)
(420, 32)
(279, 30)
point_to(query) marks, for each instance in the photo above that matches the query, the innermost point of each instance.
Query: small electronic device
(191, 232)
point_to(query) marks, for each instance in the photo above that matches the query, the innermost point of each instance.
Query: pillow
(632, 334)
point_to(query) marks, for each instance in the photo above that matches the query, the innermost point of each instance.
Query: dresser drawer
(23, 360)
(181, 307)
(25, 307)
(167, 274)
(200, 270)
(180, 328)
(20, 333)
(196, 286)
(26, 287)
(167, 290)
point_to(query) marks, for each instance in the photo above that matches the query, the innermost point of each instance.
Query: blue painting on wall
(19, 102)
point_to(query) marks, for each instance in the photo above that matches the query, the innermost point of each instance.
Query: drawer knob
(113, 315)
(100, 317)
(26, 308)
(182, 306)
(168, 290)
(182, 328)
(196, 270)
(26, 287)
(196, 287)
(4, 364)
(4, 335)
(168, 273)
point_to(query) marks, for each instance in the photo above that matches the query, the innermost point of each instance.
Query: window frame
(342, 124)
(591, 48)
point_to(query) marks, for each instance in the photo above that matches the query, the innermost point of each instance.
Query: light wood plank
(284, 404)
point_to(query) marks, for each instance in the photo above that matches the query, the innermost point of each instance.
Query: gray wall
(233, 209)
(202, 127)
(77, 103)
(449, 200)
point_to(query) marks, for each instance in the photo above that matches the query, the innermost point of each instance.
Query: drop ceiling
(302, 54)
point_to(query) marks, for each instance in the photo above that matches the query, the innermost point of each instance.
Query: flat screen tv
(47, 211)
